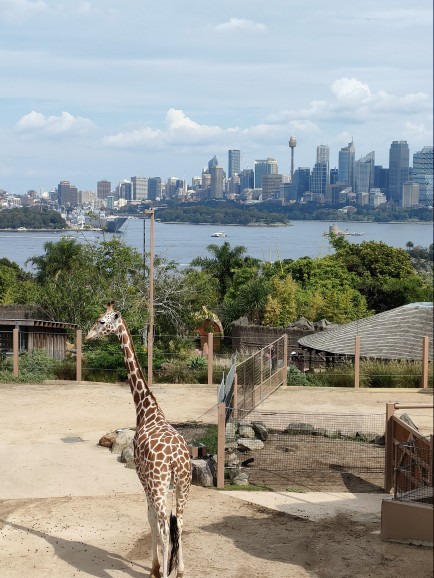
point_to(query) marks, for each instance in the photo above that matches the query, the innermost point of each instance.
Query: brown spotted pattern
(161, 454)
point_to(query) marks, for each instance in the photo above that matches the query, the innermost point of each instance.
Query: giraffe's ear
(116, 315)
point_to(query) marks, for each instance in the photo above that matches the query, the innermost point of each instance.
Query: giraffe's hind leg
(155, 570)
(182, 490)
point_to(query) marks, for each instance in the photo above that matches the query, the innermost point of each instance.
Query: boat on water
(219, 234)
(333, 229)
(112, 224)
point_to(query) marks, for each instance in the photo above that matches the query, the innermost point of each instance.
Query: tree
(223, 264)
(281, 305)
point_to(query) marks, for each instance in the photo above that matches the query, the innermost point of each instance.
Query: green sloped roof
(394, 334)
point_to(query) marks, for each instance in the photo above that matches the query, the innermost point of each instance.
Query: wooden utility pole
(151, 296)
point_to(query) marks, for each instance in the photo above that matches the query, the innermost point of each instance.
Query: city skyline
(98, 90)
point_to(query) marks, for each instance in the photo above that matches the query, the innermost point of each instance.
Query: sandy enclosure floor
(70, 509)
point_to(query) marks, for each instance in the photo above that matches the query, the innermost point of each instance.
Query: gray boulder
(123, 439)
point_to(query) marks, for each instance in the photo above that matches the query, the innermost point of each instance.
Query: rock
(232, 459)
(246, 431)
(124, 438)
(231, 431)
(299, 428)
(127, 454)
(248, 444)
(107, 440)
(241, 479)
(260, 430)
(202, 474)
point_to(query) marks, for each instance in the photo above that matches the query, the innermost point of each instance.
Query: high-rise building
(271, 185)
(124, 190)
(300, 183)
(322, 154)
(364, 173)
(410, 195)
(234, 162)
(247, 179)
(422, 174)
(334, 176)
(381, 178)
(399, 156)
(319, 178)
(103, 189)
(212, 163)
(347, 159)
(140, 188)
(217, 185)
(264, 167)
(154, 188)
(67, 194)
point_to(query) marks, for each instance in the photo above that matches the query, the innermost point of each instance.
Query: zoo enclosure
(409, 464)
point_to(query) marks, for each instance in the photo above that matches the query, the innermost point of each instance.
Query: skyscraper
(154, 188)
(423, 174)
(217, 182)
(234, 162)
(300, 183)
(399, 156)
(247, 179)
(103, 189)
(364, 173)
(264, 167)
(347, 159)
(140, 188)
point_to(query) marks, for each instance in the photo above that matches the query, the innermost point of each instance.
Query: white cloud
(16, 10)
(65, 124)
(180, 130)
(241, 24)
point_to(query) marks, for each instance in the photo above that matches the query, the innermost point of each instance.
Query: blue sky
(109, 89)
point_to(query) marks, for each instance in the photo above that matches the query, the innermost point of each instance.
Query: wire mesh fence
(281, 448)
(413, 473)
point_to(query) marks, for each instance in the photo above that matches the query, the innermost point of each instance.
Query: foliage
(209, 438)
(34, 367)
(281, 305)
(225, 213)
(295, 376)
(222, 265)
(31, 218)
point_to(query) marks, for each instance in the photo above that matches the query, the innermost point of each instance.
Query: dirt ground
(68, 508)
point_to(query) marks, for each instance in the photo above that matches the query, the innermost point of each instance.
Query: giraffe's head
(106, 324)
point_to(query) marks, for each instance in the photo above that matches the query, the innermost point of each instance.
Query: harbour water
(184, 242)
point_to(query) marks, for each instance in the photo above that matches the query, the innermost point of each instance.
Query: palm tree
(222, 264)
(58, 257)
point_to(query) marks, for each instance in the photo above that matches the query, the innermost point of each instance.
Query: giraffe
(161, 454)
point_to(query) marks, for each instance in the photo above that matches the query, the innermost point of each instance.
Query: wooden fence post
(78, 355)
(425, 360)
(235, 402)
(15, 351)
(221, 439)
(389, 466)
(357, 361)
(210, 357)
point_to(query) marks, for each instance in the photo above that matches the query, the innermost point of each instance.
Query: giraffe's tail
(174, 542)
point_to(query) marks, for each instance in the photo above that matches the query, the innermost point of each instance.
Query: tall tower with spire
(292, 145)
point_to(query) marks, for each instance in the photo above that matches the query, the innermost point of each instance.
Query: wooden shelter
(33, 333)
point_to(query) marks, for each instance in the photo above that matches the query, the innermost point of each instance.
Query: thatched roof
(394, 334)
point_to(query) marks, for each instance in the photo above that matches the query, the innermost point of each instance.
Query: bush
(34, 367)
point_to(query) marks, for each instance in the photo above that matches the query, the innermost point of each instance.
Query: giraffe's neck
(148, 411)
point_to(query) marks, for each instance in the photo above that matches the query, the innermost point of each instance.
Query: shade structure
(394, 334)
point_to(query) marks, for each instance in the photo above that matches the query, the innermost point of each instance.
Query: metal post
(15, 351)
(425, 359)
(210, 357)
(151, 299)
(357, 361)
(389, 465)
(221, 437)
(78, 355)
(235, 400)
(285, 357)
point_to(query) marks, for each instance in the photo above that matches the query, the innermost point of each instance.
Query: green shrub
(34, 367)
(295, 376)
